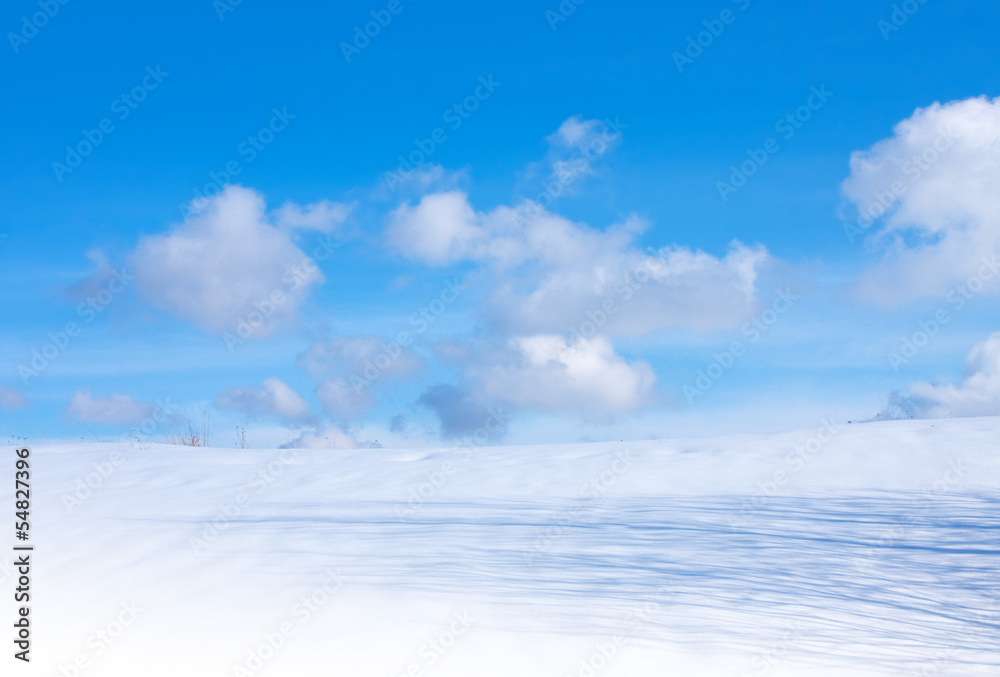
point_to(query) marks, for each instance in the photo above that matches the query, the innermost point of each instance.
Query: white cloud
(574, 147)
(568, 272)
(575, 132)
(112, 410)
(274, 399)
(417, 181)
(11, 398)
(933, 189)
(977, 395)
(324, 216)
(556, 288)
(441, 229)
(226, 262)
(628, 291)
(547, 373)
(349, 402)
(349, 367)
(367, 357)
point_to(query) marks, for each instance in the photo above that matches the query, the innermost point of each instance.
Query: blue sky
(661, 138)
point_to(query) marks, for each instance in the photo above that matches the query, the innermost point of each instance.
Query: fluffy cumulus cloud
(556, 289)
(110, 409)
(11, 398)
(441, 229)
(273, 399)
(977, 395)
(929, 196)
(349, 368)
(548, 373)
(232, 264)
(559, 275)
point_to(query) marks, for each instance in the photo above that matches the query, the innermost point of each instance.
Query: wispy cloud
(274, 399)
(115, 409)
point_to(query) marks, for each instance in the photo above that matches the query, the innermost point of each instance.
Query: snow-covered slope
(866, 549)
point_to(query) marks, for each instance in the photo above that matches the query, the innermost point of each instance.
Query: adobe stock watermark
(755, 329)
(562, 12)
(303, 610)
(578, 164)
(764, 661)
(256, 484)
(122, 106)
(901, 13)
(381, 18)
(102, 640)
(435, 480)
(454, 117)
(714, 28)
(988, 615)
(787, 126)
(265, 307)
(911, 172)
(59, 341)
(801, 455)
(84, 488)
(250, 147)
(958, 296)
(939, 664)
(421, 322)
(6, 570)
(604, 651)
(939, 487)
(594, 487)
(625, 287)
(36, 22)
(224, 7)
(163, 413)
(434, 649)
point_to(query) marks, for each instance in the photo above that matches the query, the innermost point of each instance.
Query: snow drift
(864, 549)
